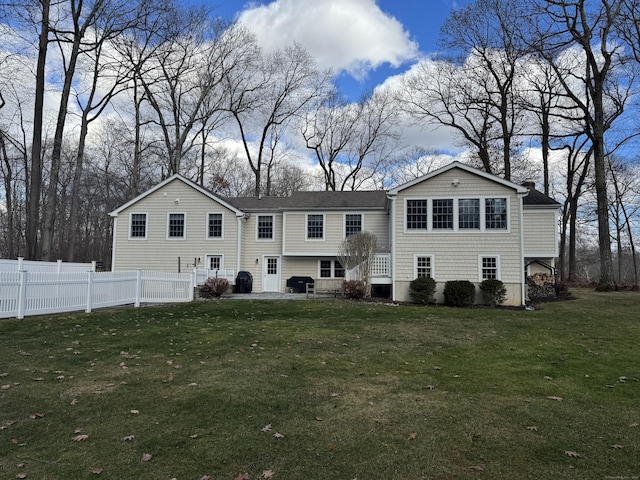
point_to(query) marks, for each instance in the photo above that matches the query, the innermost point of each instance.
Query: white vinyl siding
(159, 252)
(456, 251)
(541, 236)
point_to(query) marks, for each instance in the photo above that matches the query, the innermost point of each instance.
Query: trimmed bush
(354, 289)
(214, 288)
(422, 289)
(459, 293)
(493, 291)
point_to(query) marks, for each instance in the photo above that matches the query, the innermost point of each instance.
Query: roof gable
(187, 182)
(518, 188)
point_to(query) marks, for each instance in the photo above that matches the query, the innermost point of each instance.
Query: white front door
(271, 274)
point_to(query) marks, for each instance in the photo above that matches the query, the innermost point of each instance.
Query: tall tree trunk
(34, 186)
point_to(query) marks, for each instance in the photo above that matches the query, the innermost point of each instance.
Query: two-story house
(455, 223)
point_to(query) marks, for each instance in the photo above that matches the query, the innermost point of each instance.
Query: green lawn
(326, 389)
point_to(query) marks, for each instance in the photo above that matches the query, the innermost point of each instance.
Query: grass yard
(324, 389)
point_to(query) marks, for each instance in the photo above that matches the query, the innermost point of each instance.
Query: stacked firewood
(541, 285)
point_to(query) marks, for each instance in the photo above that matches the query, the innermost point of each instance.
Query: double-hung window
(265, 227)
(315, 227)
(495, 213)
(138, 226)
(175, 226)
(489, 267)
(442, 214)
(423, 265)
(417, 214)
(469, 213)
(352, 224)
(215, 225)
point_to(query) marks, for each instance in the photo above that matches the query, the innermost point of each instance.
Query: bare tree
(600, 89)
(356, 254)
(266, 96)
(485, 36)
(624, 207)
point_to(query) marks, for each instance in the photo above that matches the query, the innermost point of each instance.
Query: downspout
(392, 241)
(523, 284)
(239, 218)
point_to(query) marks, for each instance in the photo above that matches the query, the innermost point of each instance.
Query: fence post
(93, 265)
(89, 291)
(59, 265)
(20, 263)
(138, 287)
(22, 294)
(192, 289)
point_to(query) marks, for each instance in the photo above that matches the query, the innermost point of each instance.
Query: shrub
(214, 288)
(493, 291)
(459, 293)
(354, 289)
(422, 289)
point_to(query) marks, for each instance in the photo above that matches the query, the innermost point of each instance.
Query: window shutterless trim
(146, 226)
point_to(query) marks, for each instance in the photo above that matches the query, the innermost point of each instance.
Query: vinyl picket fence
(26, 293)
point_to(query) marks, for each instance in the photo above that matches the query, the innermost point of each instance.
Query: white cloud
(344, 35)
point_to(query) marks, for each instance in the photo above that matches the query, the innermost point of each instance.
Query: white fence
(35, 266)
(38, 293)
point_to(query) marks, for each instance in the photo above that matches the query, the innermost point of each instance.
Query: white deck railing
(202, 274)
(39, 293)
(380, 268)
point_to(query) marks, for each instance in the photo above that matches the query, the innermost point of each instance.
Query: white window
(352, 224)
(331, 269)
(469, 214)
(495, 213)
(214, 225)
(176, 225)
(138, 226)
(489, 267)
(423, 266)
(265, 227)
(442, 210)
(315, 227)
(417, 215)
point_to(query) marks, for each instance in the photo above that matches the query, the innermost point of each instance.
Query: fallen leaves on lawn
(477, 468)
(617, 447)
(80, 438)
(5, 387)
(572, 454)
(146, 457)
(557, 399)
(634, 424)
(278, 435)
(412, 436)
(34, 416)
(547, 377)
(128, 438)
(267, 428)
(267, 473)
(21, 475)
(74, 401)
(242, 476)
(135, 412)
(532, 428)
(97, 470)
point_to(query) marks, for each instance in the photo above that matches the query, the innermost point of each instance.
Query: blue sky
(363, 41)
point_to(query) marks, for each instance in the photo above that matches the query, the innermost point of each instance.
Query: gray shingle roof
(538, 198)
(364, 200)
